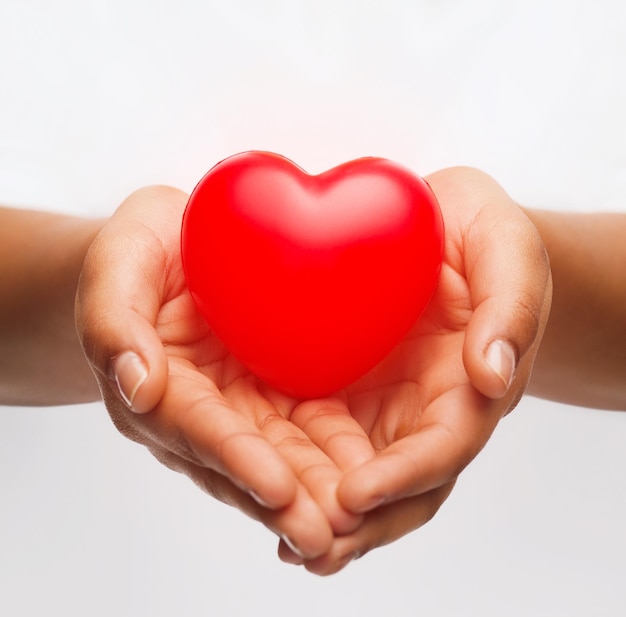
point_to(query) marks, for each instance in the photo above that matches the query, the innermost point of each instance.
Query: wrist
(41, 257)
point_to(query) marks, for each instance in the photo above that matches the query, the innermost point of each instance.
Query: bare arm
(41, 256)
(582, 358)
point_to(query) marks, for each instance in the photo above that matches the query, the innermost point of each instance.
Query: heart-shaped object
(310, 281)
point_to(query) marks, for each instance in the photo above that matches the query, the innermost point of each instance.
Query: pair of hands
(336, 477)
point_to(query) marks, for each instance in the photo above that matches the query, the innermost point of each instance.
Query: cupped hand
(431, 406)
(171, 386)
(340, 476)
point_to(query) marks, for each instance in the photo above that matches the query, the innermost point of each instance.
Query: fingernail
(500, 358)
(258, 499)
(130, 373)
(289, 542)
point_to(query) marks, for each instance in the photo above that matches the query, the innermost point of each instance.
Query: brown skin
(41, 256)
(582, 359)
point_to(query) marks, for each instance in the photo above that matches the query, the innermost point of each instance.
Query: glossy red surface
(309, 280)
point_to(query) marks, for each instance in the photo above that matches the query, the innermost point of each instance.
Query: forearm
(582, 358)
(41, 361)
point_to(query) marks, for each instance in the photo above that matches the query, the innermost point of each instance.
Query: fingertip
(140, 383)
(303, 530)
(130, 374)
(270, 481)
(280, 495)
(491, 367)
(287, 554)
(359, 491)
(346, 522)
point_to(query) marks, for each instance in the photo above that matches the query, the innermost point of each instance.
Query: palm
(420, 392)
(227, 417)
(419, 410)
(426, 365)
(209, 418)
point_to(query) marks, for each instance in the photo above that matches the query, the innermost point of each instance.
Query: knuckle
(527, 313)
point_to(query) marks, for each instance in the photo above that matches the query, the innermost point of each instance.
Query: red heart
(308, 280)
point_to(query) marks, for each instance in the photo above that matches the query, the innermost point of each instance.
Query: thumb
(511, 288)
(119, 297)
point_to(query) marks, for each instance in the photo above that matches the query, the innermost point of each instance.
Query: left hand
(431, 406)
(170, 385)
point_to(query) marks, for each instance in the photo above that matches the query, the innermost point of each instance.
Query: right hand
(430, 407)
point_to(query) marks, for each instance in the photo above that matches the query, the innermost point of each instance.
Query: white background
(99, 98)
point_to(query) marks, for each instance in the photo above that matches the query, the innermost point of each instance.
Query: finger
(193, 421)
(321, 479)
(380, 527)
(121, 290)
(333, 433)
(312, 466)
(301, 525)
(329, 425)
(451, 431)
(507, 270)
(511, 293)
